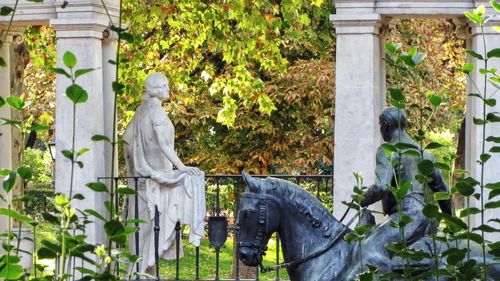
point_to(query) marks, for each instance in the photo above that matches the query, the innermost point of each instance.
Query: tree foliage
(439, 73)
(232, 66)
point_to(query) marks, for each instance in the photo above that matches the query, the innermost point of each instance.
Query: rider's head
(390, 119)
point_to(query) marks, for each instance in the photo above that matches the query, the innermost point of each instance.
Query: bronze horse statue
(312, 239)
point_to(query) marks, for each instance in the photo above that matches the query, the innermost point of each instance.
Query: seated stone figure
(179, 194)
(392, 127)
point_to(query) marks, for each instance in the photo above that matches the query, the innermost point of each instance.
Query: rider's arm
(383, 173)
(439, 185)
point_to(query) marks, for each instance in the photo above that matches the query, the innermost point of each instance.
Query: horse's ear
(253, 184)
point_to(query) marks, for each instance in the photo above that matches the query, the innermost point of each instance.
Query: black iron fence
(222, 196)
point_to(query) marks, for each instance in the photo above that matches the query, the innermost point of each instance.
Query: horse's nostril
(247, 256)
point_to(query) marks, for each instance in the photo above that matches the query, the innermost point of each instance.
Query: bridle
(260, 246)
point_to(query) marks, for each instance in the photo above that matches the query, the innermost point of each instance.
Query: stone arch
(360, 84)
(82, 28)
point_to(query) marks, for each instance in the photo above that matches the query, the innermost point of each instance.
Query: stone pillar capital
(14, 36)
(85, 18)
(81, 28)
(357, 24)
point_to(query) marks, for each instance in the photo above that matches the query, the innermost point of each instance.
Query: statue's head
(391, 119)
(156, 85)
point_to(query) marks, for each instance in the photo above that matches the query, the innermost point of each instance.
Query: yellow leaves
(46, 119)
(265, 104)
(317, 3)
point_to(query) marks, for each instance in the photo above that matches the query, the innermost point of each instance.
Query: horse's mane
(299, 198)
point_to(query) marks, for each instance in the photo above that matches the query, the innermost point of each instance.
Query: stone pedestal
(474, 133)
(358, 101)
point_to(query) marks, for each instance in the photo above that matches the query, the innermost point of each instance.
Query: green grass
(188, 262)
(187, 266)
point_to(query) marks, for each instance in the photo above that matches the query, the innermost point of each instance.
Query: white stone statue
(179, 194)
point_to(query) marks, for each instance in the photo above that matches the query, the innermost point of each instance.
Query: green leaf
(418, 57)
(495, 149)
(492, 205)
(82, 71)
(435, 99)
(404, 145)
(127, 37)
(475, 18)
(493, 186)
(469, 211)
(413, 51)
(391, 47)
(14, 215)
(493, 117)
(411, 152)
(80, 164)
(97, 186)
(490, 102)
(68, 154)
(431, 211)
(426, 167)
(479, 121)
(484, 157)
(397, 94)
(46, 253)
(442, 166)
(15, 123)
(403, 190)
(495, 5)
(125, 191)
(25, 172)
(2, 102)
(61, 71)
(495, 53)
(454, 255)
(82, 151)
(474, 54)
(95, 214)
(493, 139)
(2, 62)
(467, 68)
(76, 94)
(486, 228)
(5, 10)
(453, 221)
(100, 138)
(9, 181)
(69, 59)
(439, 196)
(433, 145)
(11, 272)
(408, 60)
(113, 228)
(15, 102)
(493, 194)
(117, 87)
(37, 127)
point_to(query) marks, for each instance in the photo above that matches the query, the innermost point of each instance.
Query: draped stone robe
(179, 196)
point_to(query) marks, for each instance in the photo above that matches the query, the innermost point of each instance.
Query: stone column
(10, 137)
(358, 102)
(474, 134)
(79, 29)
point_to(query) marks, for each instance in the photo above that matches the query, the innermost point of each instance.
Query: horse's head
(258, 219)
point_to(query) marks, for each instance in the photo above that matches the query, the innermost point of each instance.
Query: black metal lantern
(217, 230)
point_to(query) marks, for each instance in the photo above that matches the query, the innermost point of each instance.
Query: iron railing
(222, 196)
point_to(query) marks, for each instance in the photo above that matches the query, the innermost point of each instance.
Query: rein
(295, 263)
